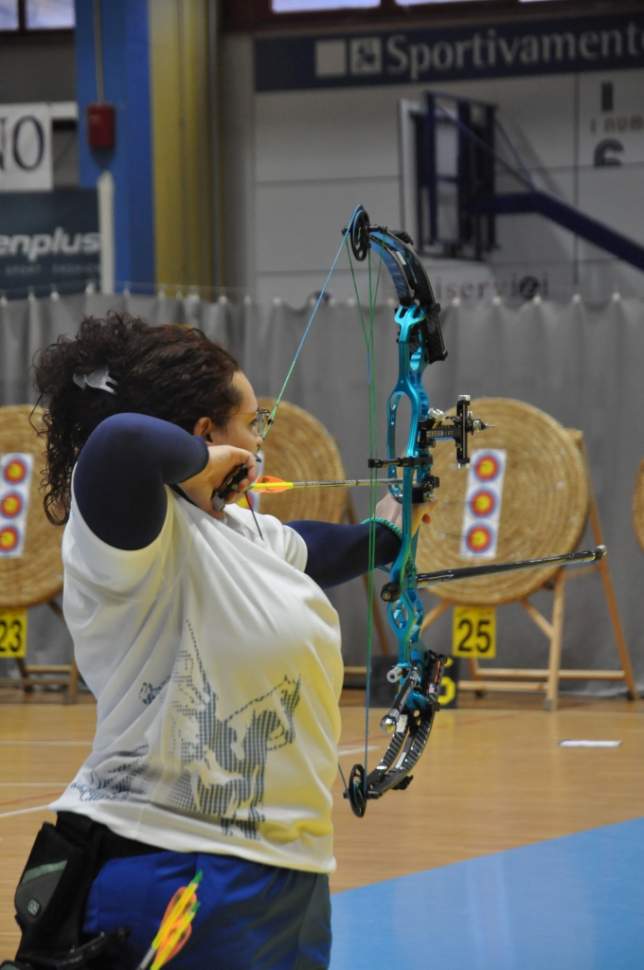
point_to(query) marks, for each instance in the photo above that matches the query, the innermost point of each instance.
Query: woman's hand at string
(222, 461)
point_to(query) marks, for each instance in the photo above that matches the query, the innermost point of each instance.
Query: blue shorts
(250, 916)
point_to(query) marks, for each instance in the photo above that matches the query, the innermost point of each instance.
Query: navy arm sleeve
(121, 473)
(338, 553)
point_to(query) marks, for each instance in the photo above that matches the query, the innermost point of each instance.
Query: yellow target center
(479, 539)
(15, 471)
(482, 504)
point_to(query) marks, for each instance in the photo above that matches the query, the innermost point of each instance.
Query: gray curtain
(581, 364)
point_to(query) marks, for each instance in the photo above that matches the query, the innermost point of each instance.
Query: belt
(82, 829)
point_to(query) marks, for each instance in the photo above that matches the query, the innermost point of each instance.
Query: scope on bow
(457, 426)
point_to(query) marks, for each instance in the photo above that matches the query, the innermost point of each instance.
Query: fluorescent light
(426, 3)
(8, 14)
(309, 6)
(50, 14)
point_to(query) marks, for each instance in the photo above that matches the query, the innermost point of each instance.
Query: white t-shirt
(215, 662)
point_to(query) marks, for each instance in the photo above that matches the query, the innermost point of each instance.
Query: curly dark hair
(171, 372)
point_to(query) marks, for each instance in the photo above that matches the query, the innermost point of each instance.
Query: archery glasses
(262, 421)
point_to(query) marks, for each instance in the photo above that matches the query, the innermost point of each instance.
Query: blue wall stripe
(126, 62)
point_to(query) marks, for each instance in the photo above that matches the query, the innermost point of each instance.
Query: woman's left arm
(338, 553)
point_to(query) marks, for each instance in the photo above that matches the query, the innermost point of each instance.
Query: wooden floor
(493, 777)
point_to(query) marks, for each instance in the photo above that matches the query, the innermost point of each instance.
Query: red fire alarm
(101, 125)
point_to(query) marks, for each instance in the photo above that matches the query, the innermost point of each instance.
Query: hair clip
(99, 379)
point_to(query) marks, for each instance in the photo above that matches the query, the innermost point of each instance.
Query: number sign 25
(474, 631)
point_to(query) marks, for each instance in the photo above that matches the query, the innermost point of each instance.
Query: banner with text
(48, 240)
(560, 46)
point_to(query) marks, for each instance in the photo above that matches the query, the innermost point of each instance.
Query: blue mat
(574, 903)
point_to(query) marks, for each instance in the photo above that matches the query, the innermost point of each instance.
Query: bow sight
(438, 426)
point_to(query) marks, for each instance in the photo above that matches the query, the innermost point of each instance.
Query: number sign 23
(13, 633)
(474, 631)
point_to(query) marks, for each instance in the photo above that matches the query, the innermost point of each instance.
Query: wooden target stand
(547, 502)
(31, 571)
(638, 505)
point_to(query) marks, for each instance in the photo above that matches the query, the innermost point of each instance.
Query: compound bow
(419, 670)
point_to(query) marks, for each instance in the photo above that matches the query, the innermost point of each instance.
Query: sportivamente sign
(560, 46)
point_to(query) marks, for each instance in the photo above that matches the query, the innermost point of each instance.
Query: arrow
(268, 483)
(175, 928)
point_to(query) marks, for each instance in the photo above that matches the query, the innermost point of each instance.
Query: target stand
(31, 571)
(542, 506)
(638, 505)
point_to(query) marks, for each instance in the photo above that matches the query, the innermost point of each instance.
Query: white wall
(296, 163)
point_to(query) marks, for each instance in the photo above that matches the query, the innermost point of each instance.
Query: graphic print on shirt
(148, 692)
(117, 778)
(224, 760)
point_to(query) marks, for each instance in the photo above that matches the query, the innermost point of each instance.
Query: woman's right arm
(122, 470)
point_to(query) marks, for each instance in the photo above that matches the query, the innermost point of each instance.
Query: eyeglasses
(262, 421)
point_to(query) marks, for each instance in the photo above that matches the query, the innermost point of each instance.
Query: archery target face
(482, 512)
(15, 482)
